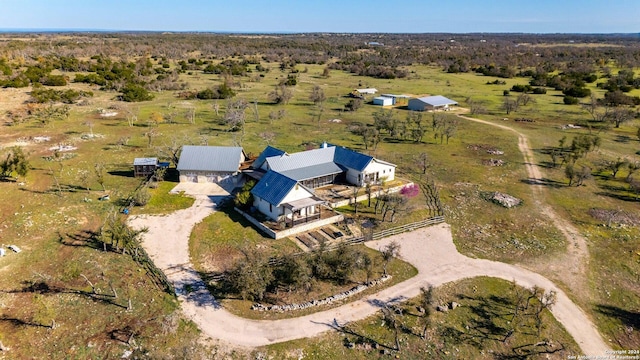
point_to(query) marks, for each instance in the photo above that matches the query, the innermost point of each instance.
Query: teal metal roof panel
(273, 187)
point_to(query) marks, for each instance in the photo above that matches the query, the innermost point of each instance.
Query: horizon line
(93, 30)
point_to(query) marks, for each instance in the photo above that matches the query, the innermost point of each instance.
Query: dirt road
(431, 250)
(569, 268)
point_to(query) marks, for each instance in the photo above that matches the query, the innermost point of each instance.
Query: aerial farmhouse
(287, 187)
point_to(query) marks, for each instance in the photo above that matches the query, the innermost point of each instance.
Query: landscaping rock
(494, 162)
(327, 300)
(442, 308)
(505, 200)
(454, 305)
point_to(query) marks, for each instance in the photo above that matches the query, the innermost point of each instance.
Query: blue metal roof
(437, 100)
(269, 151)
(351, 159)
(145, 161)
(273, 187)
(210, 158)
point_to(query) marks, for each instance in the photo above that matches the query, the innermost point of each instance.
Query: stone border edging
(328, 300)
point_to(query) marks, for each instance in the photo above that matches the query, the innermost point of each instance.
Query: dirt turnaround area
(431, 250)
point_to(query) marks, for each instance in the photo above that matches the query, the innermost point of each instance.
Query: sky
(336, 16)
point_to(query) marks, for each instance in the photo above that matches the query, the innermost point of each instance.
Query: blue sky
(414, 16)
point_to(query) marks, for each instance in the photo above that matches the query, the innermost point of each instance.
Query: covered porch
(302, 211)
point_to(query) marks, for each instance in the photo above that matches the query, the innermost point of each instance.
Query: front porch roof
(303, 203)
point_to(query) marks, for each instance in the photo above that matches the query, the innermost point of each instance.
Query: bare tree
(150, 135)
(422, 160)
(509, 105)
(83, 177)
(90, 125)
(169, 116)
(190, 114)
(317, 95)
(393, 321)
(582, 175)
(99, 170)
(426, 303)
(235, 115)
(276, 115)
(268, 136)
(450, 127)
(476, 107)
(598, 113)
(389, 252)
(216, 108)
(256, 114)
(171, 149)
(281, 94)
(620, 115)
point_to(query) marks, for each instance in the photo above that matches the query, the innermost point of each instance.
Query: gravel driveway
(430, 250)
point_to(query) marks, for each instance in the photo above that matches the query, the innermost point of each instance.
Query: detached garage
(437, 102)
(215, 164)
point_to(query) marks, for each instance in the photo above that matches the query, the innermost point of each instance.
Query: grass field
(54, 208)
(471, 331)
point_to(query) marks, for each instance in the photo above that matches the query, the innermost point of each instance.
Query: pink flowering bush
(410, 190)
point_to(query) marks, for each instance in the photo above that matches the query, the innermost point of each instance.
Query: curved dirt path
(569, 268)
(431, 250)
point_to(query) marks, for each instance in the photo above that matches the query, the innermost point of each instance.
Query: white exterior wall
(263, 207)
(384, 171)
(297, 193)
(384, 101)
(208, 176)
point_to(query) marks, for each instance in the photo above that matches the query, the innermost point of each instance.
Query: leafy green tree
(383, 120)
(244, 199)
(616, 166)
(353, 104)
(294, 273)
(15, 161)
(141, 197)
(570, 173)
(135, 93)
(251, 276)
(116, 233)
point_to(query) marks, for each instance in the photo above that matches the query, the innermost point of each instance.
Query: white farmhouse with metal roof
(286, 190)
(210, 163)
(437, 102)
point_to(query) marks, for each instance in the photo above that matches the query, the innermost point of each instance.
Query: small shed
(398, 99)
(383, 101)
(368, 91)
(143, 167)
